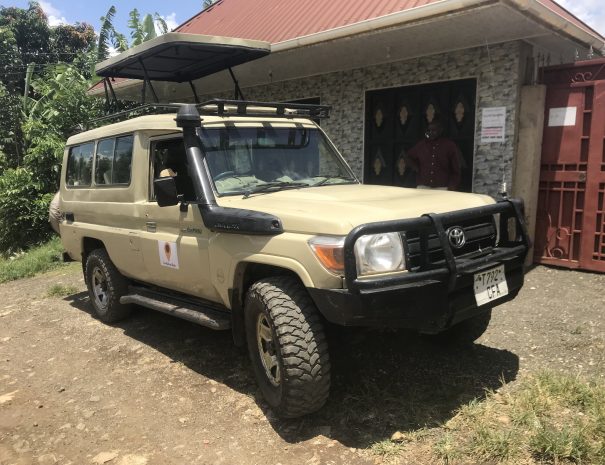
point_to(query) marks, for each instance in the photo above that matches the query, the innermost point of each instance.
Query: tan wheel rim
(267, 350)
(99, 288)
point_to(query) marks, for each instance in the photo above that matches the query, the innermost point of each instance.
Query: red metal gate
(570, 227)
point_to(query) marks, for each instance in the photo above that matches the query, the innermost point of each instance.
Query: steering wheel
(223, 175)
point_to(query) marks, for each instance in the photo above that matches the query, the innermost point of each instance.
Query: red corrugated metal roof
(278, 20)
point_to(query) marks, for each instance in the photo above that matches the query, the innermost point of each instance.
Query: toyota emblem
(456, 237)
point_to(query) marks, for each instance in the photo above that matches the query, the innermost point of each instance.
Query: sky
(592, 12)
(176, 12)
(89, 11)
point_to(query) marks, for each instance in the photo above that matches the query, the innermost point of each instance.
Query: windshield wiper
(329, 177)
(277, 185)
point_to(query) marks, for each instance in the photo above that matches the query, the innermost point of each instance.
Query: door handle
(151, 226)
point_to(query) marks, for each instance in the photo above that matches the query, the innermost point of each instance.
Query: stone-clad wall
(497, 71)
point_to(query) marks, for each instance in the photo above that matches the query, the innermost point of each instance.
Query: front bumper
(436, 296)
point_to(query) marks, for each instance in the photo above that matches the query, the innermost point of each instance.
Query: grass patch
(36, 260)
(548, 418)
(61, 290)
(387, 450)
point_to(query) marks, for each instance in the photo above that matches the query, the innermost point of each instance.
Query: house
(388, 67)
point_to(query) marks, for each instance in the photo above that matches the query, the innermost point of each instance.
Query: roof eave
(444, 7)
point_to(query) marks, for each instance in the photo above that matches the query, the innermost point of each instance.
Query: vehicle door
(175, 241)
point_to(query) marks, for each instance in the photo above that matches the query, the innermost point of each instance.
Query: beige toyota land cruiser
(243, 216)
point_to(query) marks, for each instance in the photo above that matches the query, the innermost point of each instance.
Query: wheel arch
(245, 274)
(88, 245)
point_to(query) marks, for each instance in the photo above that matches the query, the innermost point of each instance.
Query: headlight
(379, 253)
(330, 252)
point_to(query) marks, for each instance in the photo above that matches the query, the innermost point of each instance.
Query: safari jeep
(243, 216)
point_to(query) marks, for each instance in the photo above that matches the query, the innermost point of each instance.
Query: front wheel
(287, 346)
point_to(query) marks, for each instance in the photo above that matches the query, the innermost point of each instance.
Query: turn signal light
(329, 251)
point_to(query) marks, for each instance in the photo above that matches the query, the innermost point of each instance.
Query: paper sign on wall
(168, 254)
(565, 116)
(493, 124)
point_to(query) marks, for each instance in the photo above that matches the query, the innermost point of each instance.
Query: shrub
(23, 211)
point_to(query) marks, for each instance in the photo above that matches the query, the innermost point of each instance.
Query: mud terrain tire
(287, 346)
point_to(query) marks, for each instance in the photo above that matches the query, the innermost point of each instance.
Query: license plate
(490, 285)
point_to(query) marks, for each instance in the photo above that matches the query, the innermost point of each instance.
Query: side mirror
(165, 191)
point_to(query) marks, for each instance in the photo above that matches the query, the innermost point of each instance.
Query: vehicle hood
(336, 209)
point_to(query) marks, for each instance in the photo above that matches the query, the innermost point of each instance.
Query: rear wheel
(466, 332)
(287, 346)
(105, 287)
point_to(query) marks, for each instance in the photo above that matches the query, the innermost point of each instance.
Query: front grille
(480, 235)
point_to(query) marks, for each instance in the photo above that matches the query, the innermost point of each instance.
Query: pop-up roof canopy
(179, 57)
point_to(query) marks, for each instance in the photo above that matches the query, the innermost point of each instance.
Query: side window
(114, 161)
(122, 161)
(79, 165)
(104, 166)
(168, 158)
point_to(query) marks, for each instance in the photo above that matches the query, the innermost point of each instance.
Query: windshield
(246, 160)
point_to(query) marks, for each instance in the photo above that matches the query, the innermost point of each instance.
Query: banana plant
(141, 30)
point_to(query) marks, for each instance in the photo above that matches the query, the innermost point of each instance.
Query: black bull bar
(452, 267)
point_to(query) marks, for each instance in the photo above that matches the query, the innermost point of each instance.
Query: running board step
(189, 311)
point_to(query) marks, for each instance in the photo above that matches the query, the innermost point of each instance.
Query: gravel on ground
(157, 390)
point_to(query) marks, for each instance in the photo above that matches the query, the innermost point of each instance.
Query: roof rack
(224, 107)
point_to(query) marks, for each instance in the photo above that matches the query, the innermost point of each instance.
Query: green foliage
(23, 210)
(26, 38)
(141, 30)
(61, 290)
(38, 259)
(62, 107)
(106, 33)
(37, 115)
(11, 135)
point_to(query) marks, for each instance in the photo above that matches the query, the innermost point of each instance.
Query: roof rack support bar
(238, 91)
(197, 99)
(148, 81)
(114, 102)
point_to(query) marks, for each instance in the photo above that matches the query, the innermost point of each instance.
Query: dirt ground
(157, 390)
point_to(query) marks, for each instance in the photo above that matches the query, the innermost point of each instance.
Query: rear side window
(79, 165)
(114, 161)
(104, 165)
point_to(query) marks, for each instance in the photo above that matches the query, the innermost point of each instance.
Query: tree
(27, 39)
(37, 114)
(141, 30)
(60, 109)
(209, 3)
